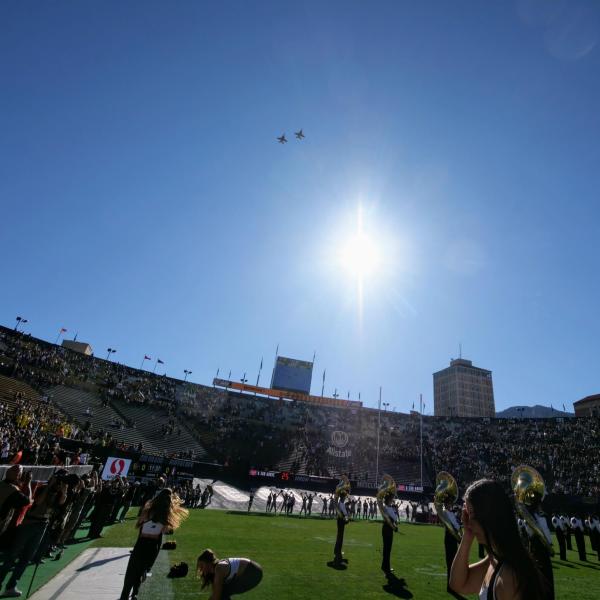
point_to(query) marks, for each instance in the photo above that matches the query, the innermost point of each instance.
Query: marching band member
(559, 529)
(529, 490)
(577, 527)
(539, 550)
(567, 529)
(446, 494)
(385, 498)
(595, 531)
(341, 492)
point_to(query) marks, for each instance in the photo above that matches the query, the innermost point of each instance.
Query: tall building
(462, 390)
(588, 406)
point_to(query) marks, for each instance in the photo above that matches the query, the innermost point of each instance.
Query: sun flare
(360, 256)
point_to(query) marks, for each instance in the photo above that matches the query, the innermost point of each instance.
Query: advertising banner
(116, 467)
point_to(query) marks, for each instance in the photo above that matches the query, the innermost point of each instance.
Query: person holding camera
(29, 535)
(15, 494)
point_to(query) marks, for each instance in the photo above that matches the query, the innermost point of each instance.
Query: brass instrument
(445, 495)
(342, 489)
(529, 490)
(388, 486)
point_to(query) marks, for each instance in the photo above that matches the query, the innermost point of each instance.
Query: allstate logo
(339, 438)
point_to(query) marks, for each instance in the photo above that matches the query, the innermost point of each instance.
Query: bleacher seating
(173, 417)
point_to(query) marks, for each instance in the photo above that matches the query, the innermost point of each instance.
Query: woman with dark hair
(161, 514)
(227, 576)
(508, 572)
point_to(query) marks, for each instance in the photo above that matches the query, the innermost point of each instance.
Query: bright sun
(359, 254)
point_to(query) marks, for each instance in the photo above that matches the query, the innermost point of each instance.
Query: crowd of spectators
(38, 519)
(243, 431)
(566, 452)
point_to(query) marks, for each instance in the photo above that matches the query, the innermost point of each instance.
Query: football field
(295, 552)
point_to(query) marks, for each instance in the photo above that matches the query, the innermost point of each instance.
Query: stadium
(249, 250)
(218, 446)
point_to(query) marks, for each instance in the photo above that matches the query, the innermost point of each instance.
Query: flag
(229, 376)
(324, 375)
(63, 330)
(564, 408)
(75, 338)
(218, 372)
(160, 362)
(261, 362)
(413, 406)
(146, 357)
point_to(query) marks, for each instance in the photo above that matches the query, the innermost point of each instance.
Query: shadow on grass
(397, 587)
(588, 566)
(98, 563)
(337, 565)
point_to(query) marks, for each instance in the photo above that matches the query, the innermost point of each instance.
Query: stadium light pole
(109, 352)
(20, 321)
(187, 372)
(378, 432)
(385, 406)
(244, 381)
(421, 423)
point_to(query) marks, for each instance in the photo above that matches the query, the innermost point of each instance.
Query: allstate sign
(339, 441)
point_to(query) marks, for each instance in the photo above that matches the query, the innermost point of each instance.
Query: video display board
(292, 375)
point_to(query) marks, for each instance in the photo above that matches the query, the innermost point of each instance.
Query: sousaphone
(444, 497)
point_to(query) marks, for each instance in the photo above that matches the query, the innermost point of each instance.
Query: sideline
(99, 572)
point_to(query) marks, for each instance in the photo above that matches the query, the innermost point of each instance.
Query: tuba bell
(388, 486)
(342, 489)
(529, 490)
(445, 495)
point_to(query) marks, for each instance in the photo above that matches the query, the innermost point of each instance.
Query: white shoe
(12, 593)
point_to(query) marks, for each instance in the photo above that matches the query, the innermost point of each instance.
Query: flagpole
(323, 386)
(142, 365)
(259, 370)
(58, 336)
(273, 372)
(421, 419)
(155, 363)
(378, 432)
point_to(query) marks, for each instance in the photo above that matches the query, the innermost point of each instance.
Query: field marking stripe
(71, 579)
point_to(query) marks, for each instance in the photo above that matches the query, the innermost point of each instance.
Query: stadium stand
(243, 431)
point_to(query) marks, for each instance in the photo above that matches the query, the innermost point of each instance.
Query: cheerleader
(159, 515)
(227, 576)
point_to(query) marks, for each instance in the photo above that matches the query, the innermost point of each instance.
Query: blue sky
(146, 205)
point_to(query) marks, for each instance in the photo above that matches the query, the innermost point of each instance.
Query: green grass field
(294, 554)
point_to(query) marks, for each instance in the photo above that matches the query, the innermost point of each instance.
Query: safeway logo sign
(116, 467)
